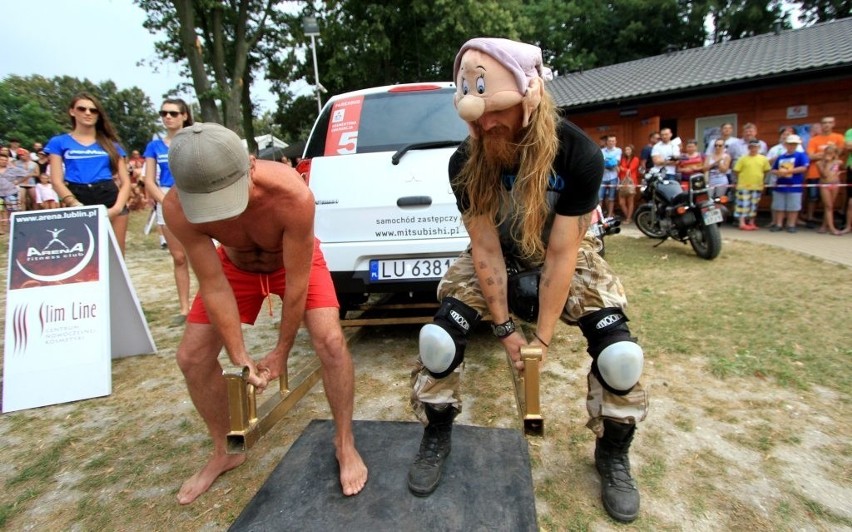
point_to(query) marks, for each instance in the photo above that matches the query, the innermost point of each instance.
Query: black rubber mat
(486, 485)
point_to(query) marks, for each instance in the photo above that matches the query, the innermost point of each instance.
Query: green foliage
(24, 119)
(396, 43)
(737, 19)
(584, 34)
(296, 116)
(363, 43)
(366, 44)
(222, 45)
(35, 108)
(813, 11)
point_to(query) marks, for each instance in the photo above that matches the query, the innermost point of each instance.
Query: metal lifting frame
(247, 422)
(527, 389)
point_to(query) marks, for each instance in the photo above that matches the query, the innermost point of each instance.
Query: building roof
(825, 47)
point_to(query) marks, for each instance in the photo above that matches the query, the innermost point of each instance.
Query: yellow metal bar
(527, 389)
(361, 322)
(238, 398)
(249, 423)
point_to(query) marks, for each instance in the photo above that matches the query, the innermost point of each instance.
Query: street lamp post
(309, 24)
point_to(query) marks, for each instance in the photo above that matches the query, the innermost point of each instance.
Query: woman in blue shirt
(175, 115)
(83, 163)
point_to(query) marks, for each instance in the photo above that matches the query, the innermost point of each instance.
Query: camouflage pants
(593, 287)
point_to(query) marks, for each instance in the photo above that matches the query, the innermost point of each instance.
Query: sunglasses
(719, 145)
(83, 109)
(172, 114)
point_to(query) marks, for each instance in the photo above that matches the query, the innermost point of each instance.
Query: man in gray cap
(262, 214)
(526, 183)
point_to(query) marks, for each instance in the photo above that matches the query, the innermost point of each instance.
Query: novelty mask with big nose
(494, 74)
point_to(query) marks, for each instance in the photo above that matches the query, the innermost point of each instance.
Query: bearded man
(526, 183)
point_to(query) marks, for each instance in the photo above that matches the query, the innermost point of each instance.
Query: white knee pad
(437, 348)
(620, 364)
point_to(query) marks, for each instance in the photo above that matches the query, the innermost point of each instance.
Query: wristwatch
(502, 330)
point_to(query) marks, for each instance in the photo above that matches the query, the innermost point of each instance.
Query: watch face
(504, 329)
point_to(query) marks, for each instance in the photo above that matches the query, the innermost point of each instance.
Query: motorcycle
(602, 226)
(682, 213)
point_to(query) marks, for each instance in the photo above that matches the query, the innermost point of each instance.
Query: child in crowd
(46, 197)
(9, 178)
(829, 187)
(751, 170)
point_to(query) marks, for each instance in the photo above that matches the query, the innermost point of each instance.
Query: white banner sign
(67, 297)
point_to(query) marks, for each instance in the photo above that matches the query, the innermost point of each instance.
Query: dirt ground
(743, 452)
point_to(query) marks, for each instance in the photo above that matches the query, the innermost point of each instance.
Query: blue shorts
(609, 190)
(786, 201)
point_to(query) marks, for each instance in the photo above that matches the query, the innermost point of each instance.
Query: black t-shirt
(573, 187)
(646, 156)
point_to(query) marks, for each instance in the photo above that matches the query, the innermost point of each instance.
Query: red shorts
(250, 288)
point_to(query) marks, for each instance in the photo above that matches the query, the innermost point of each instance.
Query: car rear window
(386, 122)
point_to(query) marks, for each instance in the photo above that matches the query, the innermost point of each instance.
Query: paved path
(836, 249)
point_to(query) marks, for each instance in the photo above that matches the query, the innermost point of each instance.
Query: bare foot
(201, 481)
(353, 472)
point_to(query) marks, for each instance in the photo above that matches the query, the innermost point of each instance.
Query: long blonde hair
(481, 180)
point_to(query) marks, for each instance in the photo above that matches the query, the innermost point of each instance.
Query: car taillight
(414, 88)
(304, 169)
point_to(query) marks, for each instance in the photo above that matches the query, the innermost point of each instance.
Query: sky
(95, 39)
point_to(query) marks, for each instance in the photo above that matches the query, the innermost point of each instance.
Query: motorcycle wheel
(706, 241)
(644, 220)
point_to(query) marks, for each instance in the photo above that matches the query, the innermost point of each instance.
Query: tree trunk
(192, 47)
(248, 123)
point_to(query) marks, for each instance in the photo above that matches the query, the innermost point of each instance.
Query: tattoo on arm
(545, 278)
(583, 222)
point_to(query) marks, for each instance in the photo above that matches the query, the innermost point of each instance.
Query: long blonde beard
(499, 149)
(533, 156)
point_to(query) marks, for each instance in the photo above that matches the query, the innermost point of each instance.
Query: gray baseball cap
(211, 170)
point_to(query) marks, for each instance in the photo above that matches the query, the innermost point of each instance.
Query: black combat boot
(425, 473)
(618, 489)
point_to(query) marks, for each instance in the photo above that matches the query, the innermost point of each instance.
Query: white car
(376, 161)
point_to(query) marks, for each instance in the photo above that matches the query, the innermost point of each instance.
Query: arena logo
(58, 250)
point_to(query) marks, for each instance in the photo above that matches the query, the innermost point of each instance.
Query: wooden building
(789, 77)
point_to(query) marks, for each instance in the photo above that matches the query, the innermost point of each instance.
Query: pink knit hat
(493, 74)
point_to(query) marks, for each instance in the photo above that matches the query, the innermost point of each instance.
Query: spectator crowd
(799, 176)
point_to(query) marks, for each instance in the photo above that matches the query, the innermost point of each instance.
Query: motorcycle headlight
(697, 182)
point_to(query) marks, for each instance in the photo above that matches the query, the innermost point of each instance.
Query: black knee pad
(602, 329)
(456, 319)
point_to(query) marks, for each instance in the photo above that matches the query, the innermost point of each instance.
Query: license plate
(403, 269)
(712, 216)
